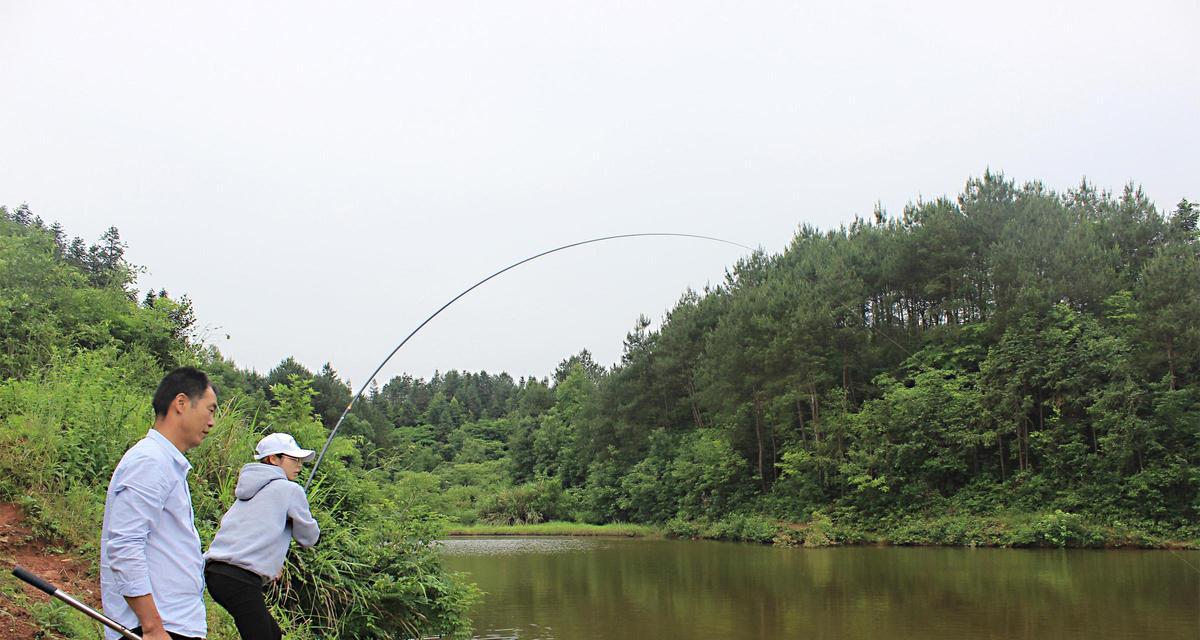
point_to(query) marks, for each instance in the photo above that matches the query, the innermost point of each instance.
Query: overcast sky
(320, 177)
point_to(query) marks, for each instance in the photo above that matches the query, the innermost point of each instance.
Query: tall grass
(375, 572)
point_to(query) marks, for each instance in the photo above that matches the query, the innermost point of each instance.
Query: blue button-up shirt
(149, 543)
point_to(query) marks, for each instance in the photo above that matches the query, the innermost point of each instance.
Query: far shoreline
(810, 536)
(567, 529)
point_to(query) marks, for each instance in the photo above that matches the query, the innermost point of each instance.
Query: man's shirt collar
(171, 450)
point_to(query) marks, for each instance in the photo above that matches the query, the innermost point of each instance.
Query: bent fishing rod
(313, 473)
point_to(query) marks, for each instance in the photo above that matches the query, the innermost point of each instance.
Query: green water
(577, 588)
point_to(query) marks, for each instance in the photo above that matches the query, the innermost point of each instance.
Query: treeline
(81, 352)
(1015, 350)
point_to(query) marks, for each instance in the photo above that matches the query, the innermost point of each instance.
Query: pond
(597, 589)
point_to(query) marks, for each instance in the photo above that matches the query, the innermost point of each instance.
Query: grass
(556, 529)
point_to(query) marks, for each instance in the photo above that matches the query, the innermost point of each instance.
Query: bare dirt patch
(67, 571)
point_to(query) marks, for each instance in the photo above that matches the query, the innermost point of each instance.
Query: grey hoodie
(270, 510)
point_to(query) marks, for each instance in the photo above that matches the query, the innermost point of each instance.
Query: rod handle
(25, 575)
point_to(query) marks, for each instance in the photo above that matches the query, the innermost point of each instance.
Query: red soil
(67, 571)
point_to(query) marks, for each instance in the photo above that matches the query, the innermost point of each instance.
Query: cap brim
(303, 455)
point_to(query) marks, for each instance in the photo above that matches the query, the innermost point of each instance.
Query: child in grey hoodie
(252, 543)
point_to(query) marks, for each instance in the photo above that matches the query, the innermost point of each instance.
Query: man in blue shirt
(151, 568)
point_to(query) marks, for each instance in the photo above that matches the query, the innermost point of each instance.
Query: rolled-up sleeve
(137, 502)
(304, 526)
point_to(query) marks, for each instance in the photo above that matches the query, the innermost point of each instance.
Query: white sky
(320, 177)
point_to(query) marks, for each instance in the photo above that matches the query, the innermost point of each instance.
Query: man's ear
(180, 402)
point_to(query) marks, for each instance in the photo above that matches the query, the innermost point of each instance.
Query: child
(249, 548)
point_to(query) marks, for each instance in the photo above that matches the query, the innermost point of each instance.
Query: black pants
(138, 631)
(240, 592)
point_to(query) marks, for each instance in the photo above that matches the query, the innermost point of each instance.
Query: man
(151, 569)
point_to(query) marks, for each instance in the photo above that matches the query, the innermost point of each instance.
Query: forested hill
(1013, 350)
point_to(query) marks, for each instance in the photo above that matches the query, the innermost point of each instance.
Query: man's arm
(137, 502)
(148, 618)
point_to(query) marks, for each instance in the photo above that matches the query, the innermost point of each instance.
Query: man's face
(197, 417)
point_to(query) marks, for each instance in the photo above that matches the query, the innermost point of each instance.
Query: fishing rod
(54, 591)
(312, 474)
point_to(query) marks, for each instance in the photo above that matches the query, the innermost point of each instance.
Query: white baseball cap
(278, 443)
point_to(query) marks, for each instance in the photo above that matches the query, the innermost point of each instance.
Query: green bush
(683, 528)
(744, 528)
(529, 503)
(1054, 529)
(820, 531)
(964, 530)
(1061, 529)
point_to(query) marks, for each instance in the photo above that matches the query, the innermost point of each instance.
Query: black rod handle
(25, 575)
(29, 577)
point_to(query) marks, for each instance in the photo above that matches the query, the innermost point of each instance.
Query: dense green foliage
(81, 359)
(1016, 351)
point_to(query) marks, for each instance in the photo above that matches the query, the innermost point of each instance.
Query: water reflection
(511, 546)
(619, 588)
(534, 632)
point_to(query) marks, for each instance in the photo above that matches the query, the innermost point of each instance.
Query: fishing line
(312, 474)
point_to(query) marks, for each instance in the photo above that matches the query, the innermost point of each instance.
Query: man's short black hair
(186, 380)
